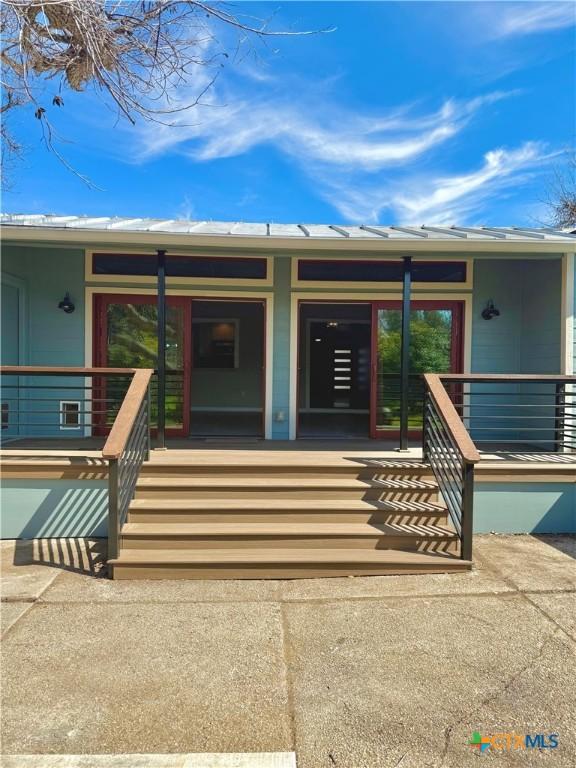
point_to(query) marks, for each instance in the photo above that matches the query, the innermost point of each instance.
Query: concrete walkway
(369, 672)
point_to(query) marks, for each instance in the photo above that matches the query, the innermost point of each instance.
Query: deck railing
(512, 415)
(107, 401)
(516, 413)
(449, 450)
(127, 447)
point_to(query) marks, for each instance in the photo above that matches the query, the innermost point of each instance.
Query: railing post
(467, 510)
(405, 352)
(559, 416)
(161, 331)
(148, 431)
(425, 427)
(113, 510)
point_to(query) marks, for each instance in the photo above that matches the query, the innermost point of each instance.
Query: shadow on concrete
(78, 555)
(565, 542)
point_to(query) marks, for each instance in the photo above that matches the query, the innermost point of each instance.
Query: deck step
(279, 563)
(264, 510)
(288, 465)
(281, 487)
(327, 534)
(265, 483)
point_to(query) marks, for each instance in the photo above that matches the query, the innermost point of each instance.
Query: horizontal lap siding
(525, 338)
(281, 347)
(54, 337)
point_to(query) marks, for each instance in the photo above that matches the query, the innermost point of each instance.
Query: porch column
(405, 352)
(161, 365)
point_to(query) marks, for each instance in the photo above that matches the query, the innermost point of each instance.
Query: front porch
(260, 369)
(272, 509)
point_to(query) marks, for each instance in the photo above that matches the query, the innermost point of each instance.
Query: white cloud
(529, 18)
(438, 199)
(367, 166)
(328, 135)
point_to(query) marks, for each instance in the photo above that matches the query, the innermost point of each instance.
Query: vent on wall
(69, 414)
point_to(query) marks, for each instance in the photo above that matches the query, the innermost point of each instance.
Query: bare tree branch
(135, 53)
(561, 199)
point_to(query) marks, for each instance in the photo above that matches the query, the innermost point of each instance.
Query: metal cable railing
(448, 449)
(515, 412)
(107, 401)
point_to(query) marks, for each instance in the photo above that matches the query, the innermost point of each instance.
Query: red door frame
(456, 352)
(100, 346)
(100, 335)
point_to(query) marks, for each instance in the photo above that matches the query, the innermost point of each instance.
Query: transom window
(373, 271)
(145, 265)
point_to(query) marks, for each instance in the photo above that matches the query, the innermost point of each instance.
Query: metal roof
(296, 231)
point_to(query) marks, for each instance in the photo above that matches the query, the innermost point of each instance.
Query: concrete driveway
(370, 672)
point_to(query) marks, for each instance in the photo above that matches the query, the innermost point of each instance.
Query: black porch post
(161, 366)
(405, 352)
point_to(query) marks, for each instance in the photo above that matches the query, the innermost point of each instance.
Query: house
(345, 399)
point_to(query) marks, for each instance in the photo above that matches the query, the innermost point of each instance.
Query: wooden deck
(268, 509)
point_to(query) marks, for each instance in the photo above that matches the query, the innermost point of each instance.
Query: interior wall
(239, 387)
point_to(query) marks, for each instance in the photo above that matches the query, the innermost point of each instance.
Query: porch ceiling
(108, 230)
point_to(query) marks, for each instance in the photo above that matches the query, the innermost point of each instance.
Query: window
(5, 416)
(215, 343)
(69, 414)
(180, 266)
(326, 270)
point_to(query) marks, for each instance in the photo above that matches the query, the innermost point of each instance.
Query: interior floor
(225, 424)
(335, 425)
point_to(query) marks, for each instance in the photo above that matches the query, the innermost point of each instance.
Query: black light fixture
(490, 311)
(67, 305)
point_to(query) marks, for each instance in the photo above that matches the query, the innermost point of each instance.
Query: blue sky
(408, 113)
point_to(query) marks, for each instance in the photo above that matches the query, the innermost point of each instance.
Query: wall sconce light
(490, 311)
(67, 305)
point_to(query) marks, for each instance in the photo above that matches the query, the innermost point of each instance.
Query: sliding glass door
(435, 347)
(126, 337)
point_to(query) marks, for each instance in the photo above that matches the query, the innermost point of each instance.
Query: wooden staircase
(266, 519)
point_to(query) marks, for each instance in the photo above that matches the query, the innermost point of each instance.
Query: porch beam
(161, 364)
(405, 351)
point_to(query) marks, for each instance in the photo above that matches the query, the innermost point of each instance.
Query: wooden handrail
(487, 377)
(453, 422)
(127, 414)
(31, 370)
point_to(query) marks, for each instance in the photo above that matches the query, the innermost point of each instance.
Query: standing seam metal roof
(271, 230)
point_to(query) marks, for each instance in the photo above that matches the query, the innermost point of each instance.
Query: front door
(435, 347)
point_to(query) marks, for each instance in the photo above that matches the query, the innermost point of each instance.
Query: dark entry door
(339, 365)
(436, 335)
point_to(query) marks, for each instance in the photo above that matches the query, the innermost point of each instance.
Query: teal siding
(53, 508)
(54, 338)
(526, 336)
(281, 349)
(525, 508)
(574, 319)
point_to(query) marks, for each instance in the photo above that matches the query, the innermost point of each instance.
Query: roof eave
(86, 237)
